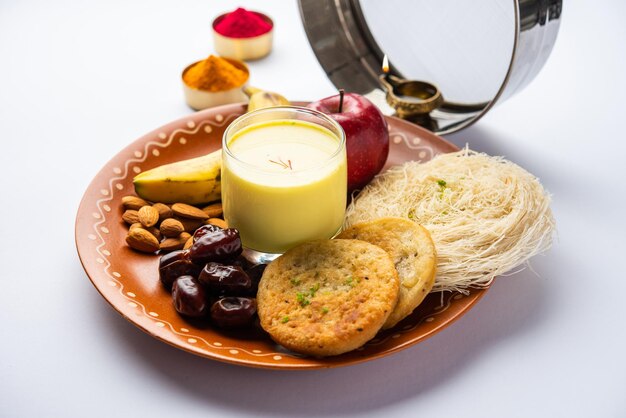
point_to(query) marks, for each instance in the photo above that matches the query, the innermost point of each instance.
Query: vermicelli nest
(486, 215)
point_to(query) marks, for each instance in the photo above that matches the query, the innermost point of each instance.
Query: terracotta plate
(129, 280)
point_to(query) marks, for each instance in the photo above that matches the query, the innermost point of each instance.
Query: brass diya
(410, 98)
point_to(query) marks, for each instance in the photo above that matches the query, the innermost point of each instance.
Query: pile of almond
(157, 226)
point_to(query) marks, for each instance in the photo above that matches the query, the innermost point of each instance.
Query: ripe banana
(260, 99)
(191, 181)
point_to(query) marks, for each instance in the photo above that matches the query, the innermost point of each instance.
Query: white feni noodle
(486, 215)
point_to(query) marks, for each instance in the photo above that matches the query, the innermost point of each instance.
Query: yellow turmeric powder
(215, 74)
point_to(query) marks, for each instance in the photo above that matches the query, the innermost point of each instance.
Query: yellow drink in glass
(284, 177)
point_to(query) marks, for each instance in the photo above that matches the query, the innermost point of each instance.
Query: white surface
(79, 81)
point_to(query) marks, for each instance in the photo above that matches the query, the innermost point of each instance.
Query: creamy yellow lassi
(284, 181)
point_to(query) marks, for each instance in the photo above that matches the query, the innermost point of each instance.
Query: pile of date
(212, 280)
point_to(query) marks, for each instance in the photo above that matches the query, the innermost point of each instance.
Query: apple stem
(341, 93)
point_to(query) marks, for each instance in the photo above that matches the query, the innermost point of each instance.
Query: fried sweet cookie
(413, 252)
(329, 297)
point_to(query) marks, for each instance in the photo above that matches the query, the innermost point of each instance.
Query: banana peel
(192, 181)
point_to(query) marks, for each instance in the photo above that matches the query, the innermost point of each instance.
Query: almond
(187, 211)
(148, 216)
(172, 244)
(217, 222)
(133, 202)
(214, 210)
(190, 225)
(131, 216)
(188, 243)
(154, 231)
(164, 211)
(142, 240)
(171, 227)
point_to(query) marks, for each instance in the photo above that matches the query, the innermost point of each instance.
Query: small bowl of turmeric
(215, 81)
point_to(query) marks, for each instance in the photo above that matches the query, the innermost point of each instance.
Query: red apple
(367, 137)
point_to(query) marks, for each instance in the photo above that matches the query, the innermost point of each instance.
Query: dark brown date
(205, 229)
(216, 245)
(233, 312)
(189, 297)
(255, 273)
(176, 264)
(225, 280)
(242, 262)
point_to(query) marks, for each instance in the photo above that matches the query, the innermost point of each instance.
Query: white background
(81, 80)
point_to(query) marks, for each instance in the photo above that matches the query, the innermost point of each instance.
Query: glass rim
(294, 109)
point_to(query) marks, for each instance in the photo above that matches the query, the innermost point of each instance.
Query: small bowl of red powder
(243, 34)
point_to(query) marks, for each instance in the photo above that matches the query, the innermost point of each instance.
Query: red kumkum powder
(242, 24)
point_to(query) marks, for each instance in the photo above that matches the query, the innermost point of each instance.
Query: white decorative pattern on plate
(424, 152)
